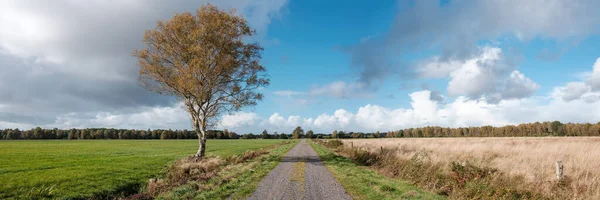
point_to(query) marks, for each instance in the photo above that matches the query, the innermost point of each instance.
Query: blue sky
(346, 65)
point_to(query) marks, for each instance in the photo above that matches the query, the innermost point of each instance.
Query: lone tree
(203, 60)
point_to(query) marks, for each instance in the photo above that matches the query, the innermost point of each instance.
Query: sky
(334, 65)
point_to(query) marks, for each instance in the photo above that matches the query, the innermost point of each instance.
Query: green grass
(235, 181)
(81, 169)
(363, 183)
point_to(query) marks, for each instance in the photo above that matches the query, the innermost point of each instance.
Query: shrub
(247, 155)
(361, 156)
(462, 173)
(331, 143)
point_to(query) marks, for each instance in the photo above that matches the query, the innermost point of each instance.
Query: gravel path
(300, 175)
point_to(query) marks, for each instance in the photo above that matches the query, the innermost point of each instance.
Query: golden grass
(531, 158)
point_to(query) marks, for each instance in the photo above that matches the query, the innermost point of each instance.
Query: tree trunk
(202, 147)
(201, 142)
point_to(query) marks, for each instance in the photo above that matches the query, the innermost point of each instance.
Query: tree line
(110, 133)
(536, 129)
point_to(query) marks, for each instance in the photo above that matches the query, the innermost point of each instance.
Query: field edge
(364, 183)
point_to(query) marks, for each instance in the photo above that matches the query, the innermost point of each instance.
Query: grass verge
(233, 178)
(363, 183)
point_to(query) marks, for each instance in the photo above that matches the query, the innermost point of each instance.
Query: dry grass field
(531, 158)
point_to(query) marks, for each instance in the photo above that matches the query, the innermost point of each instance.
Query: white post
(559, 170)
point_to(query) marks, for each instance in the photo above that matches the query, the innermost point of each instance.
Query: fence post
(559, 170)
(381, 147)
(351, 144)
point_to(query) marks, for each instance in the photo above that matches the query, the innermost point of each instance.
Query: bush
(332, 143)
(463, 173)
(362, 157)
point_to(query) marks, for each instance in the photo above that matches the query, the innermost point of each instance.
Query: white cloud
(340, 118)
(572, 90)
(518, 86)
(476, 76)
(487, 76)
(587, 89)
(239, 119)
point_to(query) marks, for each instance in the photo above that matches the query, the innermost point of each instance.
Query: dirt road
(300, 175)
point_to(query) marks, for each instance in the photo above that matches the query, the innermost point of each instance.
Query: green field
(79, 169)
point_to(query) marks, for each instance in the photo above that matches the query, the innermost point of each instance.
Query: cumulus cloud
(587, 89)
(65, 57)
(477, 76)
(518, 86)
(573, 90)
(489, 76)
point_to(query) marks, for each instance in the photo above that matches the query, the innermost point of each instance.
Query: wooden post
(559, 170)
(381, 147)
(351, 144)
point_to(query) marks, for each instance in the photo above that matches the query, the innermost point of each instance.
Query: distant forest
(109, 133)
(536, 129)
